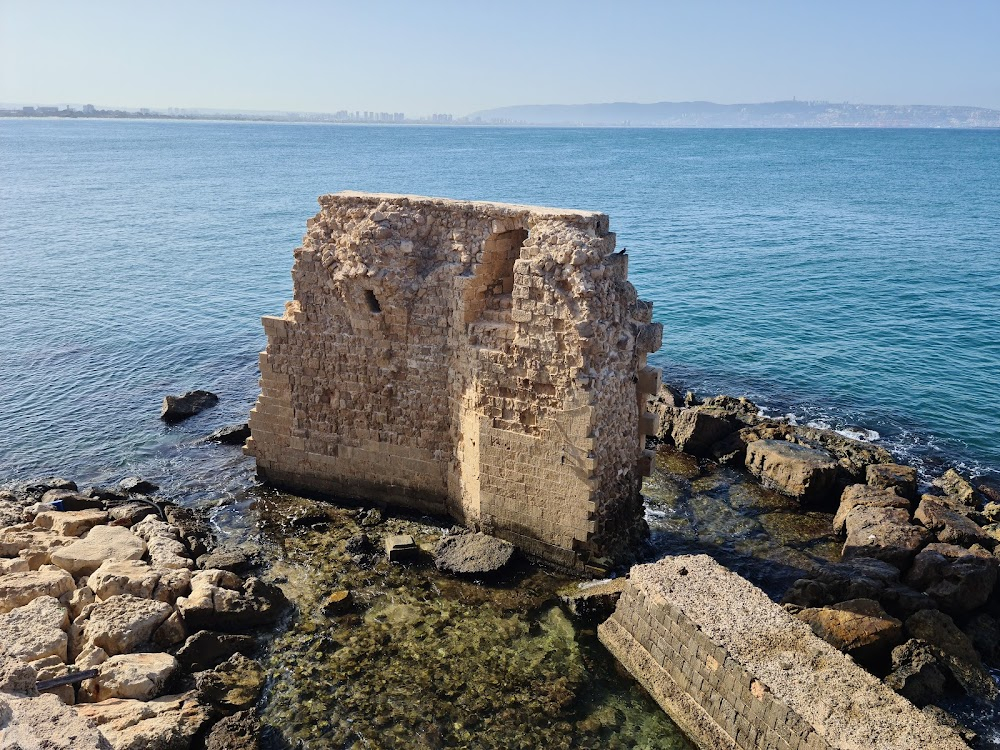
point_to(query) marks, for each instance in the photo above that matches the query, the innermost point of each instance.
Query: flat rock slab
(168, 722)
(863, 494)
(176, 408)
(101, 543)
(807, 474)
(71, 522)
(17, 589)
(883, 533)
(472, 554)
(859, 627)
(35, 631)
(116, 577)
(46, 722)
(121, 623)
(902, 479)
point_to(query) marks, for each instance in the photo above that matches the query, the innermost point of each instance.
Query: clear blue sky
(424, 56)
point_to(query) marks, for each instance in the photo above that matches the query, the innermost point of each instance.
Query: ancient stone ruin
(481, 360)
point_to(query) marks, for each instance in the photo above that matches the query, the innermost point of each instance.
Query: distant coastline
(786, 114)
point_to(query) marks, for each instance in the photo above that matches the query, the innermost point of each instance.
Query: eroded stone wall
(482, 360)
(735, 670)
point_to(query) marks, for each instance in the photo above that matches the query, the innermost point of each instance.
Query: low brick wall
(734, 670)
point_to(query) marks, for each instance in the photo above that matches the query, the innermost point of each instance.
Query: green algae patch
(421, 660)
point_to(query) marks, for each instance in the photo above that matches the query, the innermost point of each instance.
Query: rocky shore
(914, 596)
(122, 625)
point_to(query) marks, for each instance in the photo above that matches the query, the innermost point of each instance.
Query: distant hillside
(793, 114)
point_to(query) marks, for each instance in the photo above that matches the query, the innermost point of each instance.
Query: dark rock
(954, 650)
(983, 631)
(226, 558)
(902, 479)
(472, 554)
(107, 494)
(372, 517)
(903, 601)
(130, 514)
(256, 605)
(338, 603)
(192, 527)
(39, 487)
(991, 512)
(241, 731)
(401, 548)
(696, 430)
(943, 717)
(917, 674)
(236, 434)
(949, 526)
(137, 486)
(594, 600)
(359, 544)
(863, 494)
(806, 474)
(207, 648)
(955, 485)
(176, 408)
(859, 627)
(234, 685)
(883, 533)
(958, 579)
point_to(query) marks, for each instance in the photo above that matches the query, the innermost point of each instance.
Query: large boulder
(863, 494)
(176, 408)
(138, 676)
(902, 479)
(116, 577)
(807, 474)
(472, 554)
(212, 606)
(883, 533)
(168, 723)
(102, 543)
(166, 550)
(121, 623)
(948, 525)
(208, 648)
(859, 627)
(234, 685)
(954, 650)
(71, 522)
(958, 579)
(241, 731)
(35, 631)
(917, 673)
(956, 486)
(697, 429)
(17, 589)
(30, 543)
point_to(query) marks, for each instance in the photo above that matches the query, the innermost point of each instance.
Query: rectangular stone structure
(735, 670)
(481, 360)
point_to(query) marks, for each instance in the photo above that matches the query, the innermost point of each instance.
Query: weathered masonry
(735, 670)
(482, 360)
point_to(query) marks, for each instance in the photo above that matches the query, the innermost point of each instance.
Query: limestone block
(70, 522)
(116, 577)
(172, 721)
(901, 478)
(121, 623)
(807, 474)
(46, 722)
(137, 676)
(101, 543)
(863, 494)
(17, 589)
(35, 630)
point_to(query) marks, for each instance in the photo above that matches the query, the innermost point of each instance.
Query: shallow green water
(422, 660)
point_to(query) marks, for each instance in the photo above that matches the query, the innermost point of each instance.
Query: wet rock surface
(176, 408)
(472, 554)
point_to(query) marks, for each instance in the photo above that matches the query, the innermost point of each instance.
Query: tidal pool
(422, 660)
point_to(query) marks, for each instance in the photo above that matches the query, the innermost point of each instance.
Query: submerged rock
(176, 408)
(235, 434)
(207, 648)
(234, 685)
(241, 731)
(401, 548)
(807, 474)
(472, 554)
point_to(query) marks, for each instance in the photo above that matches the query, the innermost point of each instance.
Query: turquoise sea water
(850, 277)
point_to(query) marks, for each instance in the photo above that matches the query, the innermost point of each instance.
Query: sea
(846, 278)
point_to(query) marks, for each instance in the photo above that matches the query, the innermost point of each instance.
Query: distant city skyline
(442, 56)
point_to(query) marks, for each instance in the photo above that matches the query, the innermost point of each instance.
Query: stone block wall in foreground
(735, 670)
(482, 360)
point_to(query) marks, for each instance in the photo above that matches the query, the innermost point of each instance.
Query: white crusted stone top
(485, 207)
(849, 707)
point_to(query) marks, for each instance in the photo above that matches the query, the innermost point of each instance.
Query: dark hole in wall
(372, 301)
